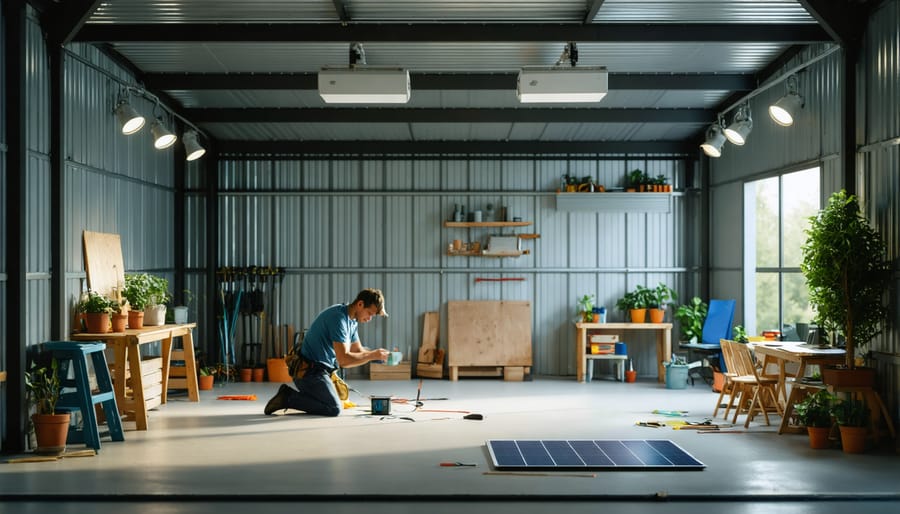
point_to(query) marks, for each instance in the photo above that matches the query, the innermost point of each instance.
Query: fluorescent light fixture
(363, 85)
(130, 120)
(559, 85)
(715, 140)
(192, 148)
(740, 127)
(162, 138)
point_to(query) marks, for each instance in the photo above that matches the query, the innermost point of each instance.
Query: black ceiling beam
(68, 18)
(457, 147)
(796, 33)
(446, 81)
(592, 11)
(843, 22)
(437, 115)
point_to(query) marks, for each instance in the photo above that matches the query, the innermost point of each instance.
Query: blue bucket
(676, 377)
(621, 349)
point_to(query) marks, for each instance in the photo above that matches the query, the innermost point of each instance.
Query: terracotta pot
(857, 377)
(278, 370)
(595, 317)
(258, 374)
(135, 319)
(818, 437)
(638, 315)
(657, 315)
(205, 382)
(246, 374)
(51, 431)
(853, 439)
(630, 375)
(97, 322)
(119, 322)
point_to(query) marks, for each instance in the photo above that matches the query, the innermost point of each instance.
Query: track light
(715, 140)
(192, 148)
(162, 138)
(130, 120)
(786, 108)
(740, 127)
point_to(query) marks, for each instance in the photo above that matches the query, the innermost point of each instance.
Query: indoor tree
(847, 272)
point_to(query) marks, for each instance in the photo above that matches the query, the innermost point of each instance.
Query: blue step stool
(82, 398)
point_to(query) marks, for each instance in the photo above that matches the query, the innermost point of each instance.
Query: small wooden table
(149, 384)
(779, 354)
(663, 343)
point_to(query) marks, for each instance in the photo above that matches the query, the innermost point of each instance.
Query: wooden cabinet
(489, 338)
(476, 248)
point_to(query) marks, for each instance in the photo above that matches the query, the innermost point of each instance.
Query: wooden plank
(424, 370)
(489, 333)
(103, 261)
(401, 371)
(430, 333)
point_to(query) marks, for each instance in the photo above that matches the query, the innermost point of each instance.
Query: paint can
(381, 405)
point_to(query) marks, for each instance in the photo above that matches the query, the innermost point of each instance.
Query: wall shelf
(474, 224)
(614, 202)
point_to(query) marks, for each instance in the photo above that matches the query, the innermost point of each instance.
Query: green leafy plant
(851, 413)
(677, 360)
(143, 290)
(815, 409)
(847, 273)
(43, 386)
(691, 316)
(662, 295)
(740, 334)
(94, 302)
(637, 177)
(586, 307)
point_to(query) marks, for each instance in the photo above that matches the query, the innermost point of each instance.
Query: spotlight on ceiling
(192, 148)
(129, 119)
(162, 138)
(786, 108)
(715, 139)
(740, 127)
(560, 84)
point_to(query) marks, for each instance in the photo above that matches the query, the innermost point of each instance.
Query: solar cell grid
(597, 454)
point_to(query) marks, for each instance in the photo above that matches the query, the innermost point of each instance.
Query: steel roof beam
(448, 115)
(794, 33)
(447, 81)
(458, 147)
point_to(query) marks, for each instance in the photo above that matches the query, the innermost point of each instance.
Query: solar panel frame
(591, 454)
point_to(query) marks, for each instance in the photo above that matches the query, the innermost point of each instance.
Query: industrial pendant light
(715, 140)
(740, 127)
(162, 137)
(129, 119)
(786, 108)
(192, 148)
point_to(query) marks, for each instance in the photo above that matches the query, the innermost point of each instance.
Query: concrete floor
(226, 456)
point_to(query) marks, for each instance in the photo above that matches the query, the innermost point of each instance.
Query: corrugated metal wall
(341, 225)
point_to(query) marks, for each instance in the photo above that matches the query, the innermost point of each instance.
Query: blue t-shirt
(331, 325)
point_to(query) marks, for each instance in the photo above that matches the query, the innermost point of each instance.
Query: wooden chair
(750, 380)
(728, 389)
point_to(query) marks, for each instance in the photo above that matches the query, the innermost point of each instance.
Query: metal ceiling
(245, 72)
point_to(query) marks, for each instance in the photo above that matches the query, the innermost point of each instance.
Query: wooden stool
(83, 398)
(619, 362)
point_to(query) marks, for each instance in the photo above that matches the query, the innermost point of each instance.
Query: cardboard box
(401, 371)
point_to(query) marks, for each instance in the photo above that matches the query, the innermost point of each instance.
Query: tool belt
(298, 366)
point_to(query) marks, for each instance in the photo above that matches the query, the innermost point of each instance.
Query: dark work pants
(315, 393)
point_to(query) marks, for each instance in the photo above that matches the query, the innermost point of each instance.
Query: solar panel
(595, 454)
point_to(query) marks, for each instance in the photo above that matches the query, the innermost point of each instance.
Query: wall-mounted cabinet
(508, 245)
(615, 202)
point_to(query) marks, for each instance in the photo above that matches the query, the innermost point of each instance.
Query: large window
(776, 216)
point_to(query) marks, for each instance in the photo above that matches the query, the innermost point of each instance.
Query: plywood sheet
(489, 333)
(103, 261)
(430, 330)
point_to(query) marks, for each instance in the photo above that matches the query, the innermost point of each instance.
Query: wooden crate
(484, 337)
(401, 371)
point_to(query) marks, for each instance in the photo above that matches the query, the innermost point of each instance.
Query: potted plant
(740, 334)
(586, 308)
(852, 417)
(43, 387)
(146, 294)
(97, 307)
(691, 316)
(814, 412)
(635, 303)
(848, 275)
(636, 180)
(206, 377)
(662, 295)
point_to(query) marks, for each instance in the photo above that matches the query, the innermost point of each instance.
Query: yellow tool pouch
(343, 390)
(298, 366)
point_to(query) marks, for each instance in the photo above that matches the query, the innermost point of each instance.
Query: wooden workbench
(140, 384)
(663, 342)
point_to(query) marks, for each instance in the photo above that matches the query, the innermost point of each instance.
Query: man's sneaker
(279, 401)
